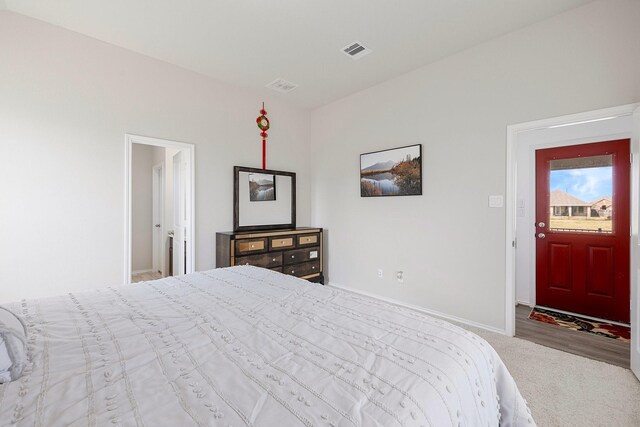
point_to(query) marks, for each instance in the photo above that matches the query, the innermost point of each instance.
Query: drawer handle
(293, 256)
(293, 272)
(274, 260)
(313, 267)
(253, 246)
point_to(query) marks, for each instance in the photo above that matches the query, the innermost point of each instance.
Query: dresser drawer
(267, 260)
(304, 269)
(301, 255)
(308, 239)
(282, 242)
(296, 252)
(251, 246)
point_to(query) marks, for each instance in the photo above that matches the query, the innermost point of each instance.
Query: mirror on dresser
(263, 199)
(264, 227)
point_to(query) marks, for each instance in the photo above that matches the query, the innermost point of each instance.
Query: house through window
(580, 194)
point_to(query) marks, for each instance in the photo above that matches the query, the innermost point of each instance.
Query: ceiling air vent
(355, 50)
(281, 85)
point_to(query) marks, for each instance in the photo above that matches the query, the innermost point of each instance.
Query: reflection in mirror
(263, 199)
(259, 204)
(262, 187)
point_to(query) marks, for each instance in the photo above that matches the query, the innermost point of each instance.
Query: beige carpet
(566, 390)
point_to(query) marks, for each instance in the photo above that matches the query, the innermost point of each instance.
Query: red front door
(582, 229)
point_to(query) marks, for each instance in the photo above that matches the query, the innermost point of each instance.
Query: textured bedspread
(248, 346)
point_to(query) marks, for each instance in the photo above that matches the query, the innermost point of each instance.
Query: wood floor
(143, 277)
(584, 344)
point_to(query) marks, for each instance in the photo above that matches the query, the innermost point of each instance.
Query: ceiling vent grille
(355, 50)
(282, 86)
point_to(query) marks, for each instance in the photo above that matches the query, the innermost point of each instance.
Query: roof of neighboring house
(602, 201)
(560, 198)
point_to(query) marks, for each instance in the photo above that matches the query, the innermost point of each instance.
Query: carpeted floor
(565, 390)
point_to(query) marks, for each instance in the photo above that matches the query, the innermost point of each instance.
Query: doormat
(622, 333)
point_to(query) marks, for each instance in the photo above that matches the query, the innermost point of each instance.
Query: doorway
(159, 208)
(159, 196)
(582, 229)
(147, 165)
(523, 140)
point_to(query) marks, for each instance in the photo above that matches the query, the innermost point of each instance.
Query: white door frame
(510, 201)
(190, 151)
(180, 201)
(158, 193)
(525, 179)
(635, 242)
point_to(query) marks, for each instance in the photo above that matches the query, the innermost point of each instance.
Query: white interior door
(635, 286)
(179, 212)
(158, 218)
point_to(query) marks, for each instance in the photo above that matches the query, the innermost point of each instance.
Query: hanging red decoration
(263, 124)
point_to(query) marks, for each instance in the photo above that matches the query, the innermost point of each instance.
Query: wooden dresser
(297, 252)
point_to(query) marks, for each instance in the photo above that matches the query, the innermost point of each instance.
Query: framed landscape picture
(394, 172)
(262, 187)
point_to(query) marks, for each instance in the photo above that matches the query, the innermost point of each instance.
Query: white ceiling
(249, 43)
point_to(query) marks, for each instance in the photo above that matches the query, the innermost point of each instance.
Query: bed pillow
(13, 338)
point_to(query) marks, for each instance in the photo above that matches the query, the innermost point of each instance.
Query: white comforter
(248, 346)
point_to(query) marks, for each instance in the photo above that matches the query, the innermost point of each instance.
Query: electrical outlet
(400, 276)
(496, 201)
(380, 275)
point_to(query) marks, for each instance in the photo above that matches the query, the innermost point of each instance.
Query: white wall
(527, 142)
(448, 242)
(66, 102)
(141, 206)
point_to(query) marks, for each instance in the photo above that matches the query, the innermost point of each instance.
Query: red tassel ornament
(263, 123)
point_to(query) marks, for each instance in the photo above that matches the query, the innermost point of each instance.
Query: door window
(581, 194)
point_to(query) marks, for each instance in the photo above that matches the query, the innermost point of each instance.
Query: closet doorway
(159, 208)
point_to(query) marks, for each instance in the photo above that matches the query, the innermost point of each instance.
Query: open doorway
(538, 214)
(160, 193)
(159, 209)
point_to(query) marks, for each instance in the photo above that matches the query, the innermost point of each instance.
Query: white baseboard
(142, 271)
(527, 303)
(422, 309)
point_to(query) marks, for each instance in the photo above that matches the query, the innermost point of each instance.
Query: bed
(246, 346)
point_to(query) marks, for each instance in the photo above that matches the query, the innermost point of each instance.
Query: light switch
(496, 201)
